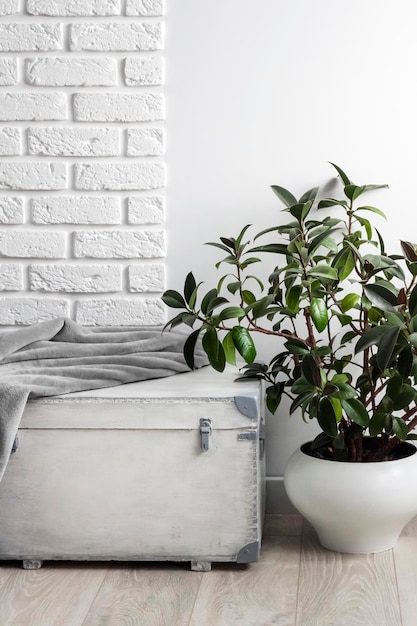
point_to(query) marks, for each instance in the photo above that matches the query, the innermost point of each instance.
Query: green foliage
(342, 311)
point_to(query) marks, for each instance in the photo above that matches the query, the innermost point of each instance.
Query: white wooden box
(122, 474)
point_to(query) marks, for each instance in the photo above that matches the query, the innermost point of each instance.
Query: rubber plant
(343, 312)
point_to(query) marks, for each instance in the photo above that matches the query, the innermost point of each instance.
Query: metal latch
(205, 432)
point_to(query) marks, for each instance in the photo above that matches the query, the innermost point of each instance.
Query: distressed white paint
(119, 474)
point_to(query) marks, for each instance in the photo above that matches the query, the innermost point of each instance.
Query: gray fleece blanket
(59, 356)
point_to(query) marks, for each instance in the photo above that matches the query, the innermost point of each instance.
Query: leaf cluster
(343, 312)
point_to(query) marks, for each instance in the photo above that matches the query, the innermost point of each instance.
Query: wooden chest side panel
(154, 494)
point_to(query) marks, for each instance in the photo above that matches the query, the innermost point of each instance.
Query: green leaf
(413, 301)
(249, 261)
(208, 298)
(354, 191)
(385, 263)
(175, 321)
(356, 411)
(366, 225)
(302, 385)
(293, 298)
(405, 362)
(329, 202)
(173, 299)
(241, 235)
(380, 297)
(234, 286)
(230, 312)
(219, 245)
(341, 173)
(296, 347)
(299, 211)
(309, 195)
(229, 348)
(214, 350)
(273, 396)
(406, 396)
(215, 303)
(344, 262)
(399, 428)
(244, 343)
(337, 407)
(343, 318)
(189, 318)
(275, 248)
(394, 386)
(370, 338)
(310, 370)
(323, 272)
(386, 346)
(326, 418)
(189, 347)
(409, 251)
(189, 288)
(346, 392)
(349, 302)
(315, 243)
(284, 195)
(377, 423)
(248, 297)
(318, 312)
(302, 399)
(373, 209)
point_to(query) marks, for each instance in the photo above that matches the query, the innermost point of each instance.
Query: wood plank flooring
(295, 583)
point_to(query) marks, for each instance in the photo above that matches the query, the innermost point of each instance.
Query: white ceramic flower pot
(354, 507)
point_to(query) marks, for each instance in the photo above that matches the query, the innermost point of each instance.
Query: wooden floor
(296, 582)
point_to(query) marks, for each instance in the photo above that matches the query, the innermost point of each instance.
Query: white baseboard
(277, 501)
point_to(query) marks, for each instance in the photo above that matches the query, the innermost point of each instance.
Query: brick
(123, 36)
(73, 7)
(145, 142)
(121, 312)
(15, 106)
(145, 210)
(118, 176)
(25, 37)
(25, 311)
(69, 72)
(32, 175)
(145, 7)
(76, 210)
(8, 71)
(11, 210)
(75, 141)
(119, 244)
(144, 71)
(148, 277)
(115, 107)
(9, 7)
(80, 278)
(10, 141)
(11, 277)
(26, 244)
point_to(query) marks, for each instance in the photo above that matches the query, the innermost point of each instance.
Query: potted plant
(343, 311)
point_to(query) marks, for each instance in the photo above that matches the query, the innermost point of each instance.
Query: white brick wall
(82, 170)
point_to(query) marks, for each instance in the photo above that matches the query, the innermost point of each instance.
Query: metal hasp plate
(248, 404)
(205, 432)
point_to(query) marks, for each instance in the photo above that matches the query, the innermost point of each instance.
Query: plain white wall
(267, 93)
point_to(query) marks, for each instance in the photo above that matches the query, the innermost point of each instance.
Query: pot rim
(411, 452)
